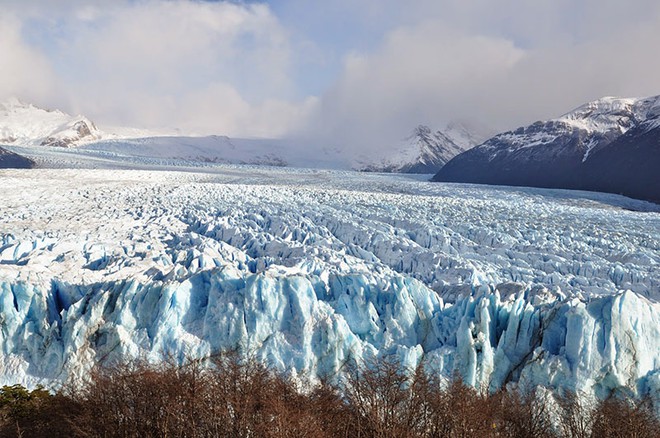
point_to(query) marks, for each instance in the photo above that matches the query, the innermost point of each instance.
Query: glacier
(311, 270)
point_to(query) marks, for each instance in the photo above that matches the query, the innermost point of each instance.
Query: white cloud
(25, 72)
(504, 64)
(237, 68)
(202, 67)
(220, 109)
(421, 74)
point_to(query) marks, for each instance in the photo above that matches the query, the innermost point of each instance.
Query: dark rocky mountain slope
(10, 160)
(609, 145)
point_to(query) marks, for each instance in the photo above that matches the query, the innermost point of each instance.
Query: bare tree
(524, 415)
(576, 415)
(625, 418)
(235, 396)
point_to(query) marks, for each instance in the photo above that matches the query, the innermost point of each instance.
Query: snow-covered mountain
(310, 270)
(38, 133)
(425, 151)
(611, 145)
(25, 124)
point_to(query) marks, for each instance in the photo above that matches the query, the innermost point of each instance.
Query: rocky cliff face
(610, 145)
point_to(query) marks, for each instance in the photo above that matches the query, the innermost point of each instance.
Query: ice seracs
(310, 270)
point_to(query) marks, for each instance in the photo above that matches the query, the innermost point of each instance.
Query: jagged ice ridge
(310, 270)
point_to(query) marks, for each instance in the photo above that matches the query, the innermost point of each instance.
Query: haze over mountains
(424, 151)
(609, 145)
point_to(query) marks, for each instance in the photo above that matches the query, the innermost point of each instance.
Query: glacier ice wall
(310, 271)
(315, 325)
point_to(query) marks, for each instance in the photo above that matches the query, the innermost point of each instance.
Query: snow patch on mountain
(613, 114)
(597, 123)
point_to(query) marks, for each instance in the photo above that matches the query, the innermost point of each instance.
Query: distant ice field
(310, 269)
(448, 236)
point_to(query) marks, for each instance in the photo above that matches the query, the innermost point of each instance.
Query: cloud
(421, 74)
(203, 67)
(504, 66)
(218, 108)
(354, 73)
(25, 71)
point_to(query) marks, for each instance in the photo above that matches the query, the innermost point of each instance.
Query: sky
(349, 73)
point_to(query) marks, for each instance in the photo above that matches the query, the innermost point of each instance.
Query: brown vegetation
(241, 398)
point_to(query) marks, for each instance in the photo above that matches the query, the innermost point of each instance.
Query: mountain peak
(16, 104)
(13, 102)
(421, 131)
(26, 124)
(612, 113)
(424, 150)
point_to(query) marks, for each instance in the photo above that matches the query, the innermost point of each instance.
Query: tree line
(238, 397)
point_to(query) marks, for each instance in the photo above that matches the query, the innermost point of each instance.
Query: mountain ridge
(28, 127)
(582, 149)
